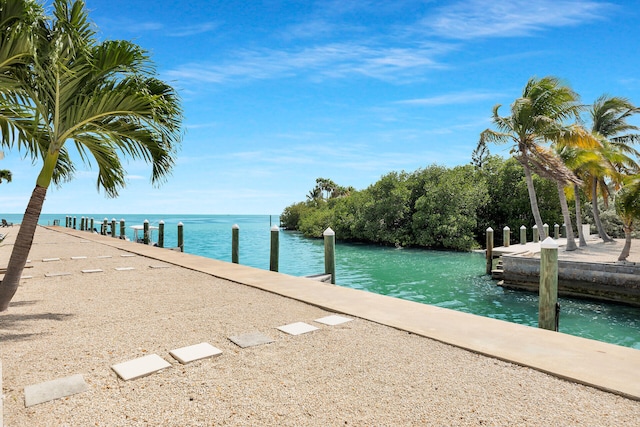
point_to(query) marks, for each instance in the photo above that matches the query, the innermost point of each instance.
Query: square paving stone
(140, 367)
(57, 274)
(195, 352)
(297, 328)
(333, 320)
(50, 390)
(250, 340)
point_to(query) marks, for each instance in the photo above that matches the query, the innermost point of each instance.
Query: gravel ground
(359, 373)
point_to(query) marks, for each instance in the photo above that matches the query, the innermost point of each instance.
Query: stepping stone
(57, 274)
(159, 266)
(250, 340)
(127, 255)
(50, 390)
(104, 256)
(124, 268)
(297, 328)
(50, 259)
(333, 320)
(140, 367)
(195, 352)
(78, 257)
(95, 270)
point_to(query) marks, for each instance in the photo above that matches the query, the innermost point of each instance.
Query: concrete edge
(597, 364)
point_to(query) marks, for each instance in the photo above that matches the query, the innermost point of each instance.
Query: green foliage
(445, 213)
(509, 199)
(291, 215)
(315, 222)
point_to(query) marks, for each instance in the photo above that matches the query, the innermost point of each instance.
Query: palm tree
(103, 97)
(627, 203)
(537, 117)
(609, 117)
(5, 175)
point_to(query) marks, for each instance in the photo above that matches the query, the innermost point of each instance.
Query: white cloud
(452, 99)
(499, 18)
(193, 30)
(336, 60)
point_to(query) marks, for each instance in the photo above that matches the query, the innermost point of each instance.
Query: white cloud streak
(337, 60)
(451, 99)
(499, 18)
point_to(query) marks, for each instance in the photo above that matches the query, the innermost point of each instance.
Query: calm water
(446, 279)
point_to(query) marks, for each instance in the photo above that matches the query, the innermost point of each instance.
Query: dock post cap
(535, 226)
(522, 227)
(180, 224)
(489, 229)
(161, 221)
(146, 221)
(548, 243)
(329, 232)
(506, 227)
(275, 228)
(235, 227)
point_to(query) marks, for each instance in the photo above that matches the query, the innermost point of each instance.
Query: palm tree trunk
(596, 212)
(571, 241)
(627, 244)
(21, 248)
(533, 200)
(576, 196)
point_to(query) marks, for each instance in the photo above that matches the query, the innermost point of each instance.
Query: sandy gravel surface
(359, 373)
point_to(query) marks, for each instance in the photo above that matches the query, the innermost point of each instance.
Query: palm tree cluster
(61, 89)
(549, 137)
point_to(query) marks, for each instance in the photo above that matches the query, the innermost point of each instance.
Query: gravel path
(358, 373)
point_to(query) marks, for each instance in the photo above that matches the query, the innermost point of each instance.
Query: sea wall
(600, 281)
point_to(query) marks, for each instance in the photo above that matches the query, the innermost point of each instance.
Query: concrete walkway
(605, 366)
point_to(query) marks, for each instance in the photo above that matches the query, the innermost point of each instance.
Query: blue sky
(279, 93)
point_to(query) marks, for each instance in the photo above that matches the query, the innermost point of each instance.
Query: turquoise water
(446, 279)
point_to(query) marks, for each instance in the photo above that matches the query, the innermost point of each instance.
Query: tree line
(557, 156)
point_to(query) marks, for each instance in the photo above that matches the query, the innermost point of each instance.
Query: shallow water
(446, 279)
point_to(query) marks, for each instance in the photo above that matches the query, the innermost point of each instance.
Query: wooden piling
(523, 235)
(104, 226)
(123, 230)
(92, 225)
(330, 253)
(556, 231)
(145, 232)
(536, 235)
(181, 236)
(113, 228)
(273, 259)
(489, 247)
(161, 234)
(235, 244)
(506, 236)
(548, 284)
